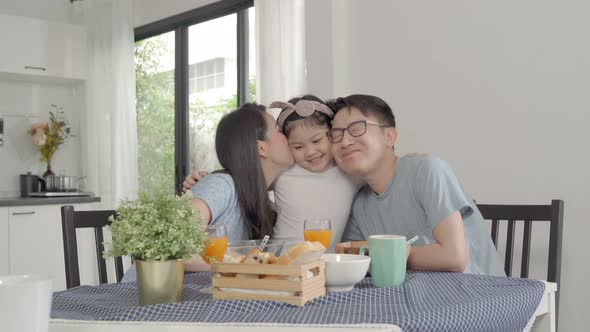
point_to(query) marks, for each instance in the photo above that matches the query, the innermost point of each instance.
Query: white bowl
(343, 271)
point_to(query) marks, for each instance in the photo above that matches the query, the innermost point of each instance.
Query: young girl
(314, 188)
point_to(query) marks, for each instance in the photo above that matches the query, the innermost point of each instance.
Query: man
(410, 195)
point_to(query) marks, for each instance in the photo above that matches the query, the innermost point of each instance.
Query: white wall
(499, 89)
(319, 48)
(51, 10)
(148, 11)
(145, 11)
(20, 102)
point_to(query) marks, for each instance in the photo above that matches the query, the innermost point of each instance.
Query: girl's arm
(448, 252)
(192, 179)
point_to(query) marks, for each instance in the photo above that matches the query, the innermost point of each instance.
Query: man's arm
(448, 252)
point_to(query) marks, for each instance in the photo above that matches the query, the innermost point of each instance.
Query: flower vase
(48, 172)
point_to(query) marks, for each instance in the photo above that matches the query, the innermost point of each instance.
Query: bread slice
(303, 247)
(284, 260)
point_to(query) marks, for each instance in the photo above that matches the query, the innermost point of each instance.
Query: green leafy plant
(156, 227)
(156, 118)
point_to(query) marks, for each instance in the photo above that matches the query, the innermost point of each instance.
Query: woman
(253, 152)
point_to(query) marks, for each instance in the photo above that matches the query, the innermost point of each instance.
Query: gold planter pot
(159, 281)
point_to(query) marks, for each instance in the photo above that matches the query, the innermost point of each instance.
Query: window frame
(180, 24)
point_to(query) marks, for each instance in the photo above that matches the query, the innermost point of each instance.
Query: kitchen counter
(22, 201)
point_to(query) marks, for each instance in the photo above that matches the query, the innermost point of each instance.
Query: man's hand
(192, 179)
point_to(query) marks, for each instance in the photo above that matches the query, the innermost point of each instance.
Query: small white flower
(39, 139)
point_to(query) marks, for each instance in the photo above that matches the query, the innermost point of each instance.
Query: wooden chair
(72, 220)
(528, 214)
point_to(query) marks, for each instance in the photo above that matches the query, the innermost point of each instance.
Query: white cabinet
(36, 244)
(36, 47)
(67, 51)
(4, 258)
(25, 45)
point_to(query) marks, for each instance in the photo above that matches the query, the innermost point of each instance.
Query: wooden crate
(305, 289)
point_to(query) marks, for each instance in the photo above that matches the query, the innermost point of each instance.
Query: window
(206, 75)
(190, 70)
(154, 73)
(211, 101)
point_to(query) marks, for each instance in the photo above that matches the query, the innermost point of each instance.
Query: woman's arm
(196, 263)
(448, 252)
(202, 207)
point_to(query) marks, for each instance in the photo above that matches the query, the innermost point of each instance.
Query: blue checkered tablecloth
(426, 301)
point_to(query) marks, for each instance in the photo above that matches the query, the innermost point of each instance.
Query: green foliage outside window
(155, 119)
(155, 116)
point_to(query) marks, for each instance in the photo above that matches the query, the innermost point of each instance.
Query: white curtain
(109, 141)
(280, 47)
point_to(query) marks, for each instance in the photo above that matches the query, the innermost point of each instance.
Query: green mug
(388, 259)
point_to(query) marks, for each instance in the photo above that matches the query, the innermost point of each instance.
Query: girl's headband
(304, 108)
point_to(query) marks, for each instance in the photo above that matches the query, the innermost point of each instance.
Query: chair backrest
(528, 214)
(70, 221)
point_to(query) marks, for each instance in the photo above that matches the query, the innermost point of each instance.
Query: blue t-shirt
(219, 193)
(424, 191)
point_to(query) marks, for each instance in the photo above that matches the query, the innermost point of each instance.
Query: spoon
(263, 243)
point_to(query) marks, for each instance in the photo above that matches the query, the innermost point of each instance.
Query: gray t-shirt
(219, 192)
(423, 192)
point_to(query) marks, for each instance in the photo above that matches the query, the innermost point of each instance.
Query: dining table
(425, 301)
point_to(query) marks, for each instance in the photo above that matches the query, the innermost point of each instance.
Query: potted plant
(158, 231)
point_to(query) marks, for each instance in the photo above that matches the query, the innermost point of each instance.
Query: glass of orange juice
(318, 230)
(216, 243)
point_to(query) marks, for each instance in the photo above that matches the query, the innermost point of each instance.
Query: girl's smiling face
(310, 146)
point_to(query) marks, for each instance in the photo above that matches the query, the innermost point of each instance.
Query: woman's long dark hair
(237, 151)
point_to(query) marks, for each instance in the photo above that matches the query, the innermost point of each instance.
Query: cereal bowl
(343, 271)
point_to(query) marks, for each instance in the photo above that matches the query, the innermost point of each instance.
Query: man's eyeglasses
(355, 129)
